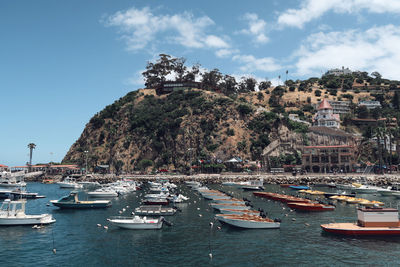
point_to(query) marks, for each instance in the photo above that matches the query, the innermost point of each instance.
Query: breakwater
(310, 179)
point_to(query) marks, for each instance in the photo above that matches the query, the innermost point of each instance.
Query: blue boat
(299, 187)
(72, 202)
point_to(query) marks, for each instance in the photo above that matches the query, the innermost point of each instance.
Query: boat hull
(310, 207)
(93, 205)
(248, 224)
(351, 229)
(129, 224)
(28, 220)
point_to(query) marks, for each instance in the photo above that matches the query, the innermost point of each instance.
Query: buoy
(54, 251)
(286, 215)
(98, 225)
(219, 227)
(34, 227)
(293, 219)
(132, 213)
(211, 224)
(200, 215)
(127, 207)
(120, 211)
(123, 209)
(194, 201)
(307, 224)
(105, 227)
(198, 208)
(210, 255)
(47, 204)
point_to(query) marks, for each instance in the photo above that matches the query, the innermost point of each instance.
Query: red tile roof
(324, 105)
(3, 166)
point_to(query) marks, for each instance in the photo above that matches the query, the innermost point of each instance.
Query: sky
(61, 62)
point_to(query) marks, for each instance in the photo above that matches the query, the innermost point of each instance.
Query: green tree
(264, 85)
(144, 164)
(211, 80)
(156, 73)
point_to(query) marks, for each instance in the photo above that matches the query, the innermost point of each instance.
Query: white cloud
(224, 53)
(251, 64)
(313, 9)
(137, 79)
(375, 49)
(140, 27)
(256, 28)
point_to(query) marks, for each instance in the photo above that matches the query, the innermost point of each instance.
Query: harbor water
(190, 240)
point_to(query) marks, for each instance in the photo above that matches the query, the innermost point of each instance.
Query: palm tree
(31, 147)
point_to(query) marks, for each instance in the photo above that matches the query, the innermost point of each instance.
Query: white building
(338, 72)
(370, 104)
(325, 116)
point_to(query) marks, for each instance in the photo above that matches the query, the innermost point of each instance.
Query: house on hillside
(370, 104)
(170, 86)
(325, 116)
(338, 72)
(3, 168)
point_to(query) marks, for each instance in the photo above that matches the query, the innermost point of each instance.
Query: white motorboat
(9, 179)
(218, 206)
(103, 192)
(137, 222)
(13, 213)
(254, 185)
(69, 183)
(248, 221)
(386, 191)
(178, 198)
(366, 189)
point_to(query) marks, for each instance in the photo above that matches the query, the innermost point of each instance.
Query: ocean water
(189, 241)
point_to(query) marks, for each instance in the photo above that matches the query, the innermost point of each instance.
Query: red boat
(310, 206)
(371, 221)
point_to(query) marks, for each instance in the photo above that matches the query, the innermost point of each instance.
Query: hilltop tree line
(171, 68)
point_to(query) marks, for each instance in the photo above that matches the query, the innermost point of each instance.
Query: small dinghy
(137, 222)
(154, 210)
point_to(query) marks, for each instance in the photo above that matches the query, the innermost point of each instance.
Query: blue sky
(63, 61)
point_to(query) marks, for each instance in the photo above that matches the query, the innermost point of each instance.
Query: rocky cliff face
(170, 131)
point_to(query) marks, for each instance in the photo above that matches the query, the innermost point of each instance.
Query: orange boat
(281, 197)
(310, 206)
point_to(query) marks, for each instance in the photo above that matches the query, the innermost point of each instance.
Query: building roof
(3, 166)
(324, 105)
(328, 131)
(338, 146)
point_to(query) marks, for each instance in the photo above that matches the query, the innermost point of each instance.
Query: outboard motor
(167, 222)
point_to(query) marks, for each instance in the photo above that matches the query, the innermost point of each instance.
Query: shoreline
(282, 178)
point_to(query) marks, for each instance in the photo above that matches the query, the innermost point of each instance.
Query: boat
(366, 189)
(155, 201)
(310, 206)
(254, 185)
(103, 193)
(69, 183)
(177, 198)
(228, 201)
(72, 202)
(9, 179)
(371, 221)
(299, 187)
(287, 185)
(386, 191)
(217, 197)
(229, 206)
(328, 195)
(248, 221)
(13, 213)
(137, 222)
(154, 210)
(280, 197)
(48, 181)
(239, 212)
(18, 194)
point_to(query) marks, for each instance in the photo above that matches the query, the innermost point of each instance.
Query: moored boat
(13, 213)
(248, 221)
(310, 206)
(239, 212)
(299, 187)
(154, 210)
(371, 221)
(229, 206)
(137, 222)
(72, 202)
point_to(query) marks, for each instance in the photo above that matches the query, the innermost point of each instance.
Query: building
(325, 116)
(339, 107)
(338, 72)
(3, 168)
(170, 86)
(324, 159)
(370, 104)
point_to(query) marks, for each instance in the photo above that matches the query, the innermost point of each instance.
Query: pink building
(325, 116)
